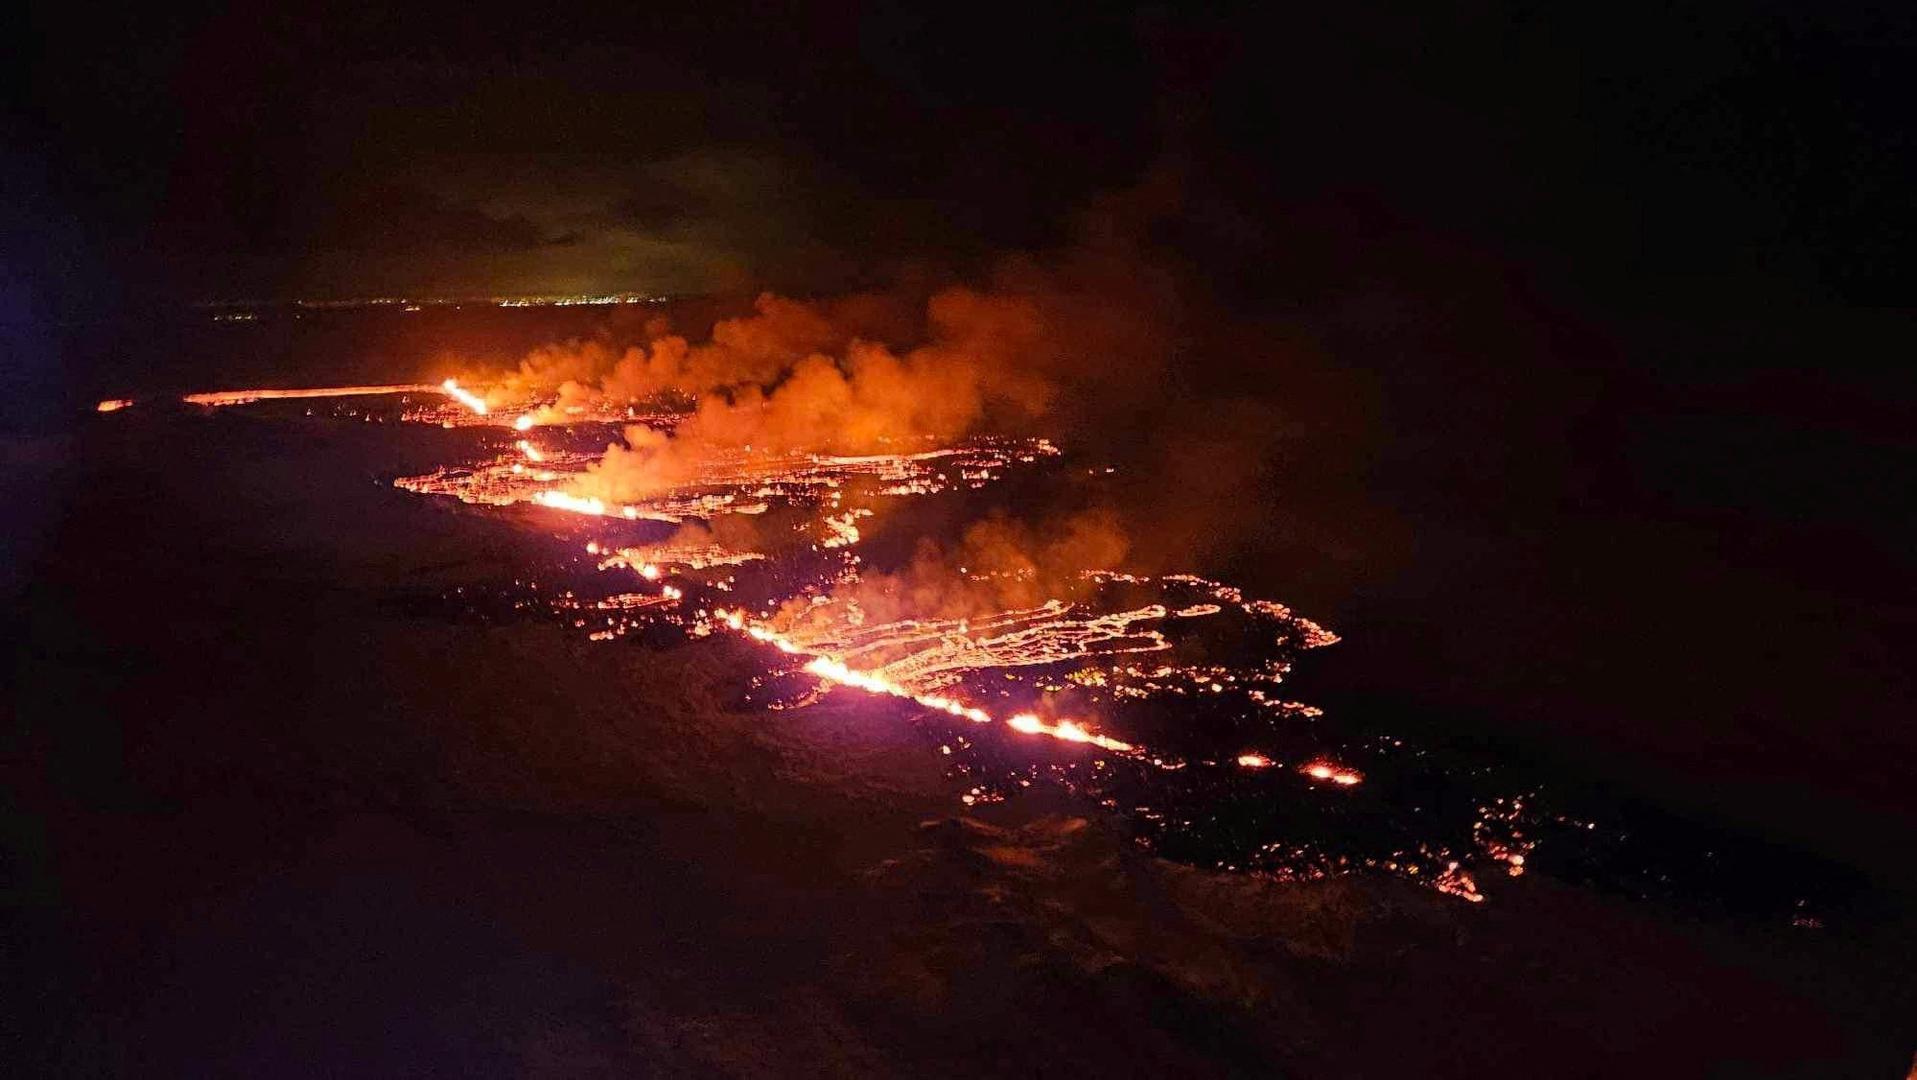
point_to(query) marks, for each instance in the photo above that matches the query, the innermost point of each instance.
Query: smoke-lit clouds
(789, 379)
(1067, 340)
(1084, 344)
(998, 563)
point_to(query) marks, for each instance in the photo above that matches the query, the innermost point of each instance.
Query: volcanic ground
(324, 776)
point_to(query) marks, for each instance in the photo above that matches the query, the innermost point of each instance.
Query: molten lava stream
(216, 398)
(463, 396)
(837, 673)
(246, 397)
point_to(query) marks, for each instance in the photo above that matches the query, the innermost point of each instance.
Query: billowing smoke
(1040, 338)
(767, 384)
(998, 563)
(754, 350)
(1083, 345)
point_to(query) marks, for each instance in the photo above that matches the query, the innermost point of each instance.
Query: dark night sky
(1724, 153)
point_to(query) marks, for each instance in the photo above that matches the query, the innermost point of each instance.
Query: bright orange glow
(524, 423)
(1337, 774)
(835, 671)
(243, 397)
(1255, 761)
(559, 500)
(114, 405)
(1068, 730)
(1456, 882)
(464, 397)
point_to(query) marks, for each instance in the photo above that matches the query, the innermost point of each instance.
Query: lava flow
(835, 671)
(1023, 660)
(247, 397)
(224, 398)
(1121, 645)
(464, 397)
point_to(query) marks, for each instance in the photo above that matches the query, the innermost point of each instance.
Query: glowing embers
(657, 556)
(114, 405)
(1332, 772)
(1503, 835)
(614, 616)
(1456, 881)
(1316, 770)
(841, 530)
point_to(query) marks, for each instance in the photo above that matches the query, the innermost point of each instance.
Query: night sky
(1724, 154)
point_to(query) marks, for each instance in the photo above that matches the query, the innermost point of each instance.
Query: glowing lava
(1337, 774)
(1174, 664)
(245, 397)
(463, 396)
(835, 671)
(559, 500)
